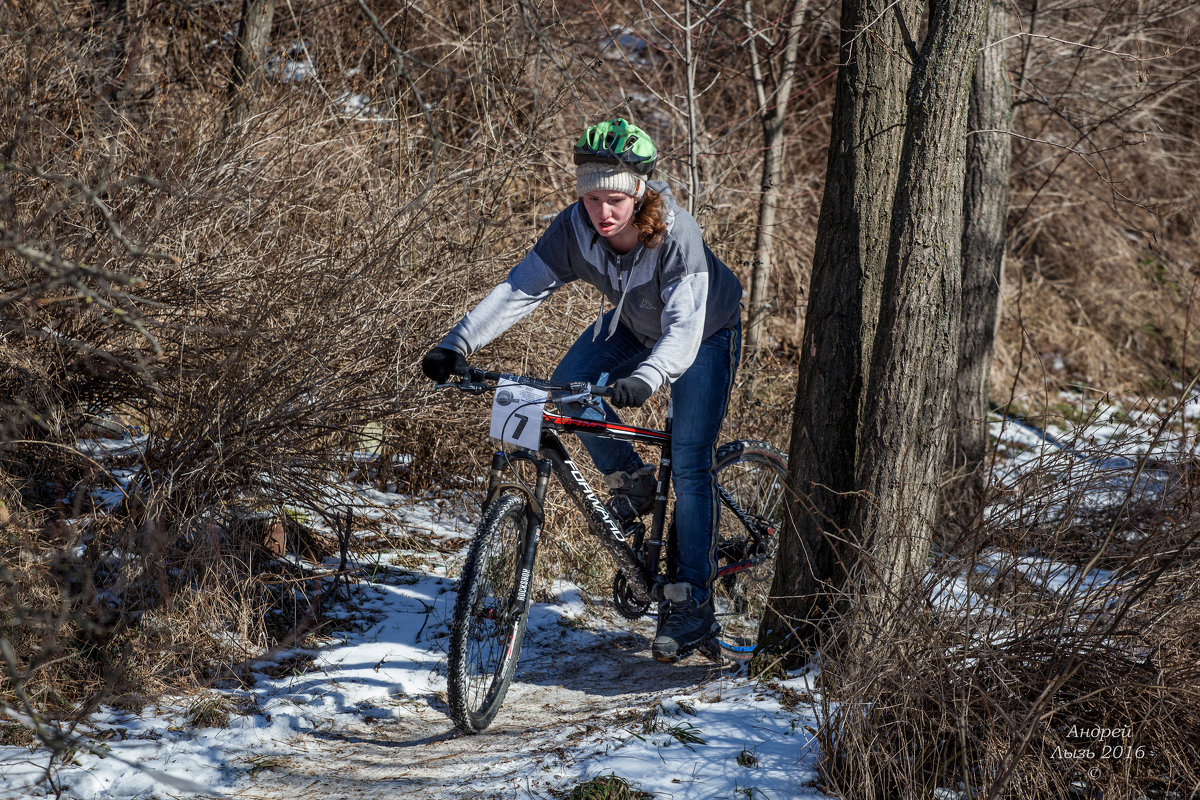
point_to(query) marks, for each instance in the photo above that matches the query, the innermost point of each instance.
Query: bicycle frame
(637, 561)
(640, 573)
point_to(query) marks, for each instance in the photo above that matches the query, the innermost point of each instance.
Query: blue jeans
(699, 399)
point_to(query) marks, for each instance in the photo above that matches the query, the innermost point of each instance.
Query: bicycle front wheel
(752, 482)
(490, 614)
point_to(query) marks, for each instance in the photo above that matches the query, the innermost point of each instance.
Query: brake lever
(581, 398)
(584, 396)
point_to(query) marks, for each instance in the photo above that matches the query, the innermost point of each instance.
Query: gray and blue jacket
(672, 297)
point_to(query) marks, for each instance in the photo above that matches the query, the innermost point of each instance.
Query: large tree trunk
(985, 213)
(848, 264)
(907, 404)
(253, 34)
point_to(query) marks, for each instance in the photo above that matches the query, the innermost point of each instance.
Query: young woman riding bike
(676, 320)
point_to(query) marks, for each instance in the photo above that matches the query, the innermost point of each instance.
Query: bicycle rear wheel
(489, 615)
(752, 481)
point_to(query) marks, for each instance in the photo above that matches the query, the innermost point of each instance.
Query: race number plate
(517, 414)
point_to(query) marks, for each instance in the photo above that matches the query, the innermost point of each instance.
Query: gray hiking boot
(632, 493)
(684, 624)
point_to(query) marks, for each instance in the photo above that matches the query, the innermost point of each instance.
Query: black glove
(442, 362)
(630, 392)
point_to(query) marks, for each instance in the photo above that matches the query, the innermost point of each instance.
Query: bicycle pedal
(711, 649)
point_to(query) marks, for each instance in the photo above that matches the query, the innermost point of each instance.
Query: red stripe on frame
(572, 422)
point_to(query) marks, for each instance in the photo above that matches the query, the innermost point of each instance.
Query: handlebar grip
(602, 391)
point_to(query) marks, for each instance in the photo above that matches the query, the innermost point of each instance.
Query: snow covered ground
(588, 701)
(364, 715)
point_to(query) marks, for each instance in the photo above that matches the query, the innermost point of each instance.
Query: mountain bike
(494, 592)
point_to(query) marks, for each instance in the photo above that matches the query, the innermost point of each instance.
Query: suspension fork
(502, 461)
(534, 521)
(533, 534)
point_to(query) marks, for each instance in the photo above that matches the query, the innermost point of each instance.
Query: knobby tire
(489, 622)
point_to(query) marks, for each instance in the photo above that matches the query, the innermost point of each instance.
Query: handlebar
(477, 381)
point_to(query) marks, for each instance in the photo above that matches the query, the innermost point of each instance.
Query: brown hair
(651, 220)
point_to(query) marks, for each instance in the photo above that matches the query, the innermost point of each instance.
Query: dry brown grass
(1101, 276)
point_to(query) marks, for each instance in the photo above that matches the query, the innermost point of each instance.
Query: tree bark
(772, 110)
(907, 406)
(985, 213)
(768, 205)
(253, 33)
(689, 58)
(848, 265)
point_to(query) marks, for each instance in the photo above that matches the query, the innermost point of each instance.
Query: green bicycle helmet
(617, 142)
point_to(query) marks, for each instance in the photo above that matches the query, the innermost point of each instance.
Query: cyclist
(676, 320)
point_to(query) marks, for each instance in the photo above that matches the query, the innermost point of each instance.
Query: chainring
(626, 604)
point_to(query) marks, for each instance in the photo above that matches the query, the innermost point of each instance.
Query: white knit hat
(594, 176)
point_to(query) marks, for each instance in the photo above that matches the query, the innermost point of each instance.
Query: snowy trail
(366, 718)
(564, 707)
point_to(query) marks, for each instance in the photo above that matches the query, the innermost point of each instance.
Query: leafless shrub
(237, 308)
(1051, 653)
